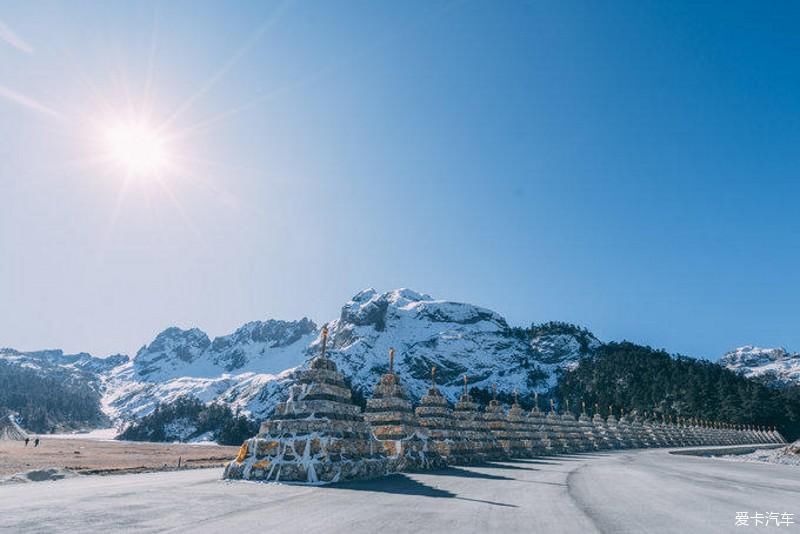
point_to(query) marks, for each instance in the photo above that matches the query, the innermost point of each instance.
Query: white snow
(777, 365)
(98, 434)
(789, 455)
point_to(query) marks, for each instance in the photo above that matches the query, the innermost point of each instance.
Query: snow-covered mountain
(81, 367)
(457, 338)
(252, 367)
(260, 346)
(776, 366)
(241, 368)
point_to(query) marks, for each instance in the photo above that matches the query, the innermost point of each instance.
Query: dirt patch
(39, 475)
(87, 456)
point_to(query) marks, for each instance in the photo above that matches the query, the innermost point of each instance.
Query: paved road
(624, 491)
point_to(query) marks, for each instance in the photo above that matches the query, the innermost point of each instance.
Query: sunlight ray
(29, 103)
(312, 79)
(181, 210)
(232, 61)
(12, 38)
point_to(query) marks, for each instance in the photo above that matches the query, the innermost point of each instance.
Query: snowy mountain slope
(47, 359)
(240, 368)
(252, 368)
(260, 347)
(457, 338)
(79, 368)
(127, 398)
(777, 366)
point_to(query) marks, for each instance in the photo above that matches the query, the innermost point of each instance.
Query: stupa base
(305, 460)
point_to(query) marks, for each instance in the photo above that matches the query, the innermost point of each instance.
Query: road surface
(621, 491)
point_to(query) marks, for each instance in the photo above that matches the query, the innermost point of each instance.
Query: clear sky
(628, 166)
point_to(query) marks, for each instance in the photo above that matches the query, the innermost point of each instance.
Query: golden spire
(567, 404)
(324, 339)
(391, 360)
(583, 407)
(536, 399)
(516, 396)
(465, 384)
(433, 376)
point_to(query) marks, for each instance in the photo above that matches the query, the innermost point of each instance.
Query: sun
(138, 148)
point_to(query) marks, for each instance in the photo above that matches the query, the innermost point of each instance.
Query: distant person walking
(27, 440)
(36, 442)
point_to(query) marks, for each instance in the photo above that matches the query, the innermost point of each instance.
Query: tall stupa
(317, 436)
(394, 423)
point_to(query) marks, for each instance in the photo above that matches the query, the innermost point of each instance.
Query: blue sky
(628, 166)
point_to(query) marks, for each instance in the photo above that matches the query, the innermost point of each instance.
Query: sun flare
(136, 147)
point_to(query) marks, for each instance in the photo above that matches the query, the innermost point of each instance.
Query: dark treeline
(47, 404)
(187, 418)
(555, 328)
(632, 377)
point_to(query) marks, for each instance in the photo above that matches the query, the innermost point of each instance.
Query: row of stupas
(318, 435)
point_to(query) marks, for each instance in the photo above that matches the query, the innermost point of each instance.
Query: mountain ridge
(251, 368)
(775, 366)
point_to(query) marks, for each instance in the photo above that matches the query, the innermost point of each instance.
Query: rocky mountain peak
(172, 348)
(457, 337)
(776, 366)
(257, 346)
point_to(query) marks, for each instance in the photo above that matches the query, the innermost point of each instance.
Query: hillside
(457, 338)
(48, 402)
(775, 367)
(188, 419)
(241, 369)
(629, 376)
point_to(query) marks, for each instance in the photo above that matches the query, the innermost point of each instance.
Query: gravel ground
(92, 456)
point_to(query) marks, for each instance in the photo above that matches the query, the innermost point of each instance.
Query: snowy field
(101, 434)
(622, 491)
(789, 455)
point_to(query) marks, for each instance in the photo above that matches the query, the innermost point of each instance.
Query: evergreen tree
(46, 403)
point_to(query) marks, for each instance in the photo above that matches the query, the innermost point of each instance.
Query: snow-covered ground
(789, 455)
(99, 434)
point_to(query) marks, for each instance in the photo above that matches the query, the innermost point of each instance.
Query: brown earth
(89, 456)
